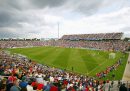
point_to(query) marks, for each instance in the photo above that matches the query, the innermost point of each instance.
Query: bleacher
(100, 36)
(101, 41)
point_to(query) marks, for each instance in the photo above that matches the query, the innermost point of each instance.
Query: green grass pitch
(83, 61)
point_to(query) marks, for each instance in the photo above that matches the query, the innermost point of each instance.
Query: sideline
(126, 75)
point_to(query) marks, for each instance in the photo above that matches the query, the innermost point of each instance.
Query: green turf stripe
(62, 59)
(52, 56)
(38, 49)
(76, 62)
(88, 60)
(41, 52)
(26, 50)
(38, 56)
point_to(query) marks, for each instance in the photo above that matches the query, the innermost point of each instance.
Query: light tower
(58, 29)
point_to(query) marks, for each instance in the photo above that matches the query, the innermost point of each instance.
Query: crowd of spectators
(17, 73)
(17, 43)
(108, 41)
(103, 41)
(109, 69)
(99, 36)
(117, 45)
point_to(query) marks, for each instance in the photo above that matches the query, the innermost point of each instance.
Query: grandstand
(100, 36)
(101, 41)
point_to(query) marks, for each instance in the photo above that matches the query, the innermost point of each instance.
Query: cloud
(88, 7)
(111, 22)
(31, 4)
(126, 29)
(8, 33)
(47, 3)
(39, 18)
(5, 19)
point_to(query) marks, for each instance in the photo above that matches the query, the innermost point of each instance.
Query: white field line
(97, 67)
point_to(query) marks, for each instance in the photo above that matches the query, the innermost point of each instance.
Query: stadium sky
(39, 18)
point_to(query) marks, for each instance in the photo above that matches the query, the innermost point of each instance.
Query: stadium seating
(103, 41)
(100, 36)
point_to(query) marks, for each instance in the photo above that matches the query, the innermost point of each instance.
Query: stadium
(85, 55)
(42, 49)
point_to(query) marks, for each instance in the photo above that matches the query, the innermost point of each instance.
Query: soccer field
(83, 61)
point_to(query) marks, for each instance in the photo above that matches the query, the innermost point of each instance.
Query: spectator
(29, 87)
(122, 87)
(15, 86)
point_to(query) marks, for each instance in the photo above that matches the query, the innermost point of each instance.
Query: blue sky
(39, 18)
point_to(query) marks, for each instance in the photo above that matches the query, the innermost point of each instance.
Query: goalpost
(112, 56)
